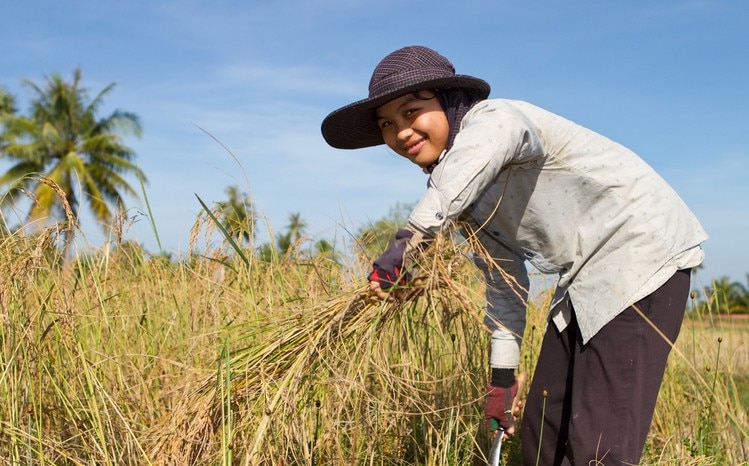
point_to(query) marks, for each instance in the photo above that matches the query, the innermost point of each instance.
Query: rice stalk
(338, 349)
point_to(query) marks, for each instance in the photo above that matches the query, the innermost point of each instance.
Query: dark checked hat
(402, 72)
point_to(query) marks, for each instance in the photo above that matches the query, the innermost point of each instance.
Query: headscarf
(456, 103)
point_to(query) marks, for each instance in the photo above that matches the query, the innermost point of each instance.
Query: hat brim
(355, 127)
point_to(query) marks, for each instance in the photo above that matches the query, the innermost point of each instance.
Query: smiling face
(415, 126)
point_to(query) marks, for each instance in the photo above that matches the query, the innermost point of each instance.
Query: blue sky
(665, 78)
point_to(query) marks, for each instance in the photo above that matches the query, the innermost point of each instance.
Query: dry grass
(332, 375)
(121, 358)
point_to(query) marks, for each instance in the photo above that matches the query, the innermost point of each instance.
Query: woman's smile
(415, 126)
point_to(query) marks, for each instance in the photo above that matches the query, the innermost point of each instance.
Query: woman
(538, 188)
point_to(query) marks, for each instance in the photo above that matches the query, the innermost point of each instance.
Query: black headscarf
(455, 103)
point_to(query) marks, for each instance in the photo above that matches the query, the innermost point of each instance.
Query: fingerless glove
(388, 268)
(499, 402)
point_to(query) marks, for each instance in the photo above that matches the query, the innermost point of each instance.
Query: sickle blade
(496, 447)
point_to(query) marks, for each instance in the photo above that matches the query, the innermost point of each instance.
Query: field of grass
(125, 359)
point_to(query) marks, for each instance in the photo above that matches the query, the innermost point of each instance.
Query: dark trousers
(592, 404)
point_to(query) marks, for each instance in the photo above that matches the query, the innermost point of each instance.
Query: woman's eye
(385, 124)
(410, 112)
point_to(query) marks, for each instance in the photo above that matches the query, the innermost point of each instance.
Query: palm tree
(76, 152)
(7, 108)
(296, 227)
(287, 245)
(284, 241)
(730, 297)
(237, 215)
(7, 102)
(373, 239)
(293, 235)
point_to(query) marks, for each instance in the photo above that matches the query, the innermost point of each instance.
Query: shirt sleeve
(492, 135)
(507, 286)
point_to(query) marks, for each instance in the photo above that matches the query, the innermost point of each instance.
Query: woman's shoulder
(511, 106)
(516, 113)
(504, 112)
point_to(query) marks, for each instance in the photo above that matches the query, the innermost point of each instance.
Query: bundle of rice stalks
(353, 378)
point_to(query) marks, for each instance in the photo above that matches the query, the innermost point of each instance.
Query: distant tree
(267, 251)
(296, 227)
(290, 241)
(324, 246)
(293, 235)
(65, 141)
(237, 215)
(284, 241)
(729, 297)
(372, 240)
(326, 249)
(7, 108)
(7, 102)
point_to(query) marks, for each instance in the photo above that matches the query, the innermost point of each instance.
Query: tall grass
(128, 359)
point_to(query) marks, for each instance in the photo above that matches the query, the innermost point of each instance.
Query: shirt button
(439, 216)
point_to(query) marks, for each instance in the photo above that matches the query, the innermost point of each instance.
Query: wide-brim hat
(404, 71)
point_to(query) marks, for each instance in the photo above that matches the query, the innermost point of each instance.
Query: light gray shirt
(543, 189)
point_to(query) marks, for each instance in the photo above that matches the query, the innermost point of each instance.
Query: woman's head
(402, 73)
(415, 126)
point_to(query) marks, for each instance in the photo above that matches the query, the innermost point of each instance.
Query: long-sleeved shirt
(543, 189)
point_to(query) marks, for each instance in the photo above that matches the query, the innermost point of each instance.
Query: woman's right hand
(376, 289)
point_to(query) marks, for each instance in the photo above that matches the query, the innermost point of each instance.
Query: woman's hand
(376, 289)
(390, 271)
(503, 406)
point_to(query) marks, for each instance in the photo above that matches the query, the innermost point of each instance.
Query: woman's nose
(404, 134)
